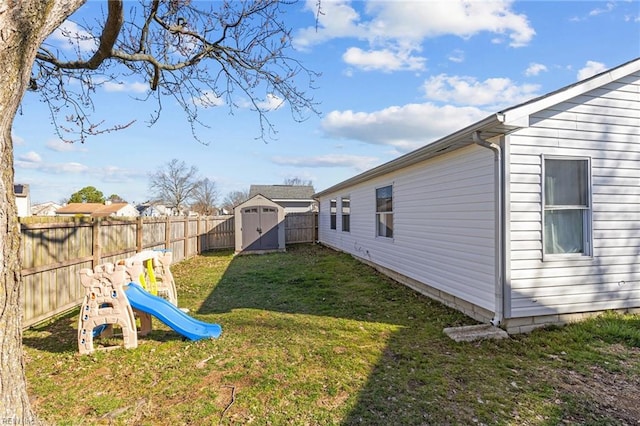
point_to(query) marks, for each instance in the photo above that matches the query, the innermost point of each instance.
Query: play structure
(140, 286)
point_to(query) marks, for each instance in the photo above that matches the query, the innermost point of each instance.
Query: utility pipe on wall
(499, 220)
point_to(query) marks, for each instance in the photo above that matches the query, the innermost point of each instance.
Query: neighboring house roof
(500, 123)
(44, 209)
(283, 192)
(92, 209)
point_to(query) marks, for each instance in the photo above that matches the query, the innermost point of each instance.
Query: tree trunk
(24, 24)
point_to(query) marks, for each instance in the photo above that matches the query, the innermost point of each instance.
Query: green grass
(314, 337)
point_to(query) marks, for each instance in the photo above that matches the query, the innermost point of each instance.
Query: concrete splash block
(469, 333)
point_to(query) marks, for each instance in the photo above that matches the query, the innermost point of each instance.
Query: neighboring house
(45, 209)
(98, 210)
(23, 199)
(294, 198)
(528, 217)
(153, 210)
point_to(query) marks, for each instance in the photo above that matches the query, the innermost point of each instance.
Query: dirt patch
(602, 394)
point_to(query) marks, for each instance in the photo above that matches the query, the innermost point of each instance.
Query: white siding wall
(604, 125)
(443, 215)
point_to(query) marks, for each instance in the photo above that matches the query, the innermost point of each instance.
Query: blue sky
(395, 76)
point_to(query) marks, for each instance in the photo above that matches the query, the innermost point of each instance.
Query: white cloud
(71, 167)
(135, 87)
(464, 90)
(33, 161)
(208, 99)
(599, 11)
(116, 174)
(402, 127)
(416, 20)
(394, 30)
(271, 103)
(70, 35)
(62, 146)
(591, 68)
(17, 140)
(30, 157)
(456, 56)
(336, 20)
(385, 60)
(330, 160)
(535, 69)
(632, 18)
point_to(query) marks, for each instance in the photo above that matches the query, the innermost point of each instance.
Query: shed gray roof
(283, 192)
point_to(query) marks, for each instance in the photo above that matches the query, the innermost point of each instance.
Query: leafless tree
(234, 198)
(298, 181)
(201, 54)
(193, 52)
(174, 184)
(205, 197)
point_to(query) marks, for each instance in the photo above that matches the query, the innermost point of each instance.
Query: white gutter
(499, 222)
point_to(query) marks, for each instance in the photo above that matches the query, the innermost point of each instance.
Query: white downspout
(499, 252)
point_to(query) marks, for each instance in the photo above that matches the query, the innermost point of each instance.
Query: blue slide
(170, 315)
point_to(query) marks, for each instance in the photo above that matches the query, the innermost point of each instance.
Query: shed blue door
(260, 228)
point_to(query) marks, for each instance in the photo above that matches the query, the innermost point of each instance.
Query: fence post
(167, 233)
(96, 250)
(199, 237)
(316, 220)
(186, 237)
(139, 231)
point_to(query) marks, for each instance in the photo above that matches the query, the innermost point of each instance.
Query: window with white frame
(332, 213)
(384, 211)
(567, 206)
(345, 209)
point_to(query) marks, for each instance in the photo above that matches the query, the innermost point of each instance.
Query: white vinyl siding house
(528, 217)
(443, 226)
(603, 127)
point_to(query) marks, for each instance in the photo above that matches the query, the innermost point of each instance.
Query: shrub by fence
(55, 249)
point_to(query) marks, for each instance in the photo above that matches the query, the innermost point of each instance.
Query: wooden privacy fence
(55, 249)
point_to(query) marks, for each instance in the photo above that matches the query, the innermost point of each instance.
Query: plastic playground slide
(170, 315)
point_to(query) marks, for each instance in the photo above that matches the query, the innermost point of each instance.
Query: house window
(332, 213)
(345, 204)
(384, 211)
(567, 206)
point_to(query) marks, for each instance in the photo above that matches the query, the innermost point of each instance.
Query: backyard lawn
(313, 337)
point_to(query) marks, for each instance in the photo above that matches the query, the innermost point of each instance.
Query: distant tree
(234, 198)
(174, 184)
(115, 198)
(88, 194)
(205, 197)
(298, 181)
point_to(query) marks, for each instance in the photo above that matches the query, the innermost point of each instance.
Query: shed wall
(444, 224)
(603, 124)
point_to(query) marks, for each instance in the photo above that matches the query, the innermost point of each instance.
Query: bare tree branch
(235, 51)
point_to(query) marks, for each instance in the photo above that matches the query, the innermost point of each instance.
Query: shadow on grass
(61, 335)
(413, 377)
(315, 280)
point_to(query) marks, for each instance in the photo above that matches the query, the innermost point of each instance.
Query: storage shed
(528, 217)
(259, 223)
